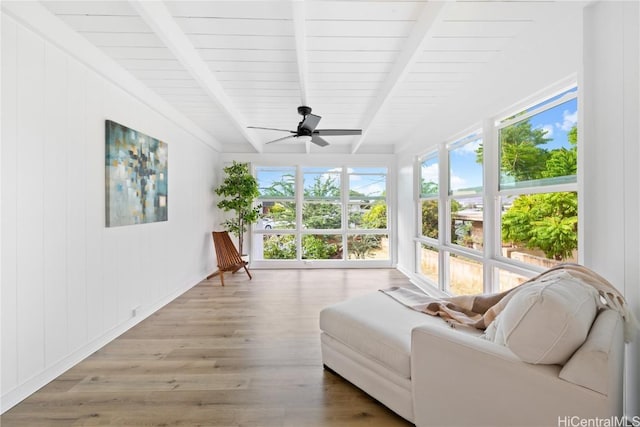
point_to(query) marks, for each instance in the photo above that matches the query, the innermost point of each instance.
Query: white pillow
(547, 321)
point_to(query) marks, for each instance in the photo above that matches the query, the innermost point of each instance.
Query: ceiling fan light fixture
(304, 138)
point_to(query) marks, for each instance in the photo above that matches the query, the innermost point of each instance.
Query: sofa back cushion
(545, 322)
(597, 364)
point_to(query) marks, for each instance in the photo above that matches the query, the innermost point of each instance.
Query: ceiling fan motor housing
(303, 110)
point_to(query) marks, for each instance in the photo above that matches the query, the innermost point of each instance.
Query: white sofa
(435, 375)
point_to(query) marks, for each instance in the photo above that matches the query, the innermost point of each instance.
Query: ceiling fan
(307, 129)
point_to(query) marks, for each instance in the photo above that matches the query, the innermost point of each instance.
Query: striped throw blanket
(478, 311)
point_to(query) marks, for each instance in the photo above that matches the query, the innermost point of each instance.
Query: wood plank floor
(247, 354)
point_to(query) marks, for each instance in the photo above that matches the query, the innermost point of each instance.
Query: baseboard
(11, 398)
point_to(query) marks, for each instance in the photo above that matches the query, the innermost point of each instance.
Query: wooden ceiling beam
(300, 35)
(432, 12)
(159, 19)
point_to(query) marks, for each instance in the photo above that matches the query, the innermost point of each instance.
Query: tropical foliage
(546, 221)
(239, 190)
(322, 210)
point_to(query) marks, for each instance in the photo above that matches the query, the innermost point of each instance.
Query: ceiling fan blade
(310, 122)
(281, 130)
(281, 139)
(336, 132)
(319, 141)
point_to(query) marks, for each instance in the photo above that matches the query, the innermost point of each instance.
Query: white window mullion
(299, 203)
(443, 215)
(344, 197)
(491, 226)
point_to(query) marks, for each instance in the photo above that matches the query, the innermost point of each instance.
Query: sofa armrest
(461, 379)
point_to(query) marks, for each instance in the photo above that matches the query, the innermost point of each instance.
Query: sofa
(433, 374)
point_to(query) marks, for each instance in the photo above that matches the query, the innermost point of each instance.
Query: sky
(466, 172)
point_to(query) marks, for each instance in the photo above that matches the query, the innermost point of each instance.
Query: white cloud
(568, 120)
(458, 182)
(430, 173)
(548, 130)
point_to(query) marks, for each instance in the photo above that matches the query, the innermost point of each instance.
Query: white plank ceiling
(379, 66)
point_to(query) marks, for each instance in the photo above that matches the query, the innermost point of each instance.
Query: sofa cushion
(377, 327)
(547, 321)
(590, 364)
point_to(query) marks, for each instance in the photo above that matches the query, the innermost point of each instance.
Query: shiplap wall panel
(55, 195)
(68, 282)
(94, 203)
(179, 211)
(29, 226)
(111, 278)
(9, 347)
(76, 187)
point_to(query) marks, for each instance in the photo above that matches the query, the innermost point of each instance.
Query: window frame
(257, 260)
(491, 254)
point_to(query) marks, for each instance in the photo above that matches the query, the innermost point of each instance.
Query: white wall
(68, 283)
(407, 218)
(611, 195)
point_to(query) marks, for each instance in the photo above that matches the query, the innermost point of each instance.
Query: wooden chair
(227, 256)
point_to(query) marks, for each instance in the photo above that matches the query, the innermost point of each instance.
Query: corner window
(538, 183)
(523, 220)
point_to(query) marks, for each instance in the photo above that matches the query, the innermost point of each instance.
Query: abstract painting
(136, 177)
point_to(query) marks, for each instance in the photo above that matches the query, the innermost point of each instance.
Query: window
(429, 193)
(466, 275)
(322, 205)
(523, 220)
(367, 214)
(539, 147)
(277, 186)
(324, 214)
(538, 185)
(429, 262)
(466, 191)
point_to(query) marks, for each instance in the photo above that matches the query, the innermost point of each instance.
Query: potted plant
(238, 191)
